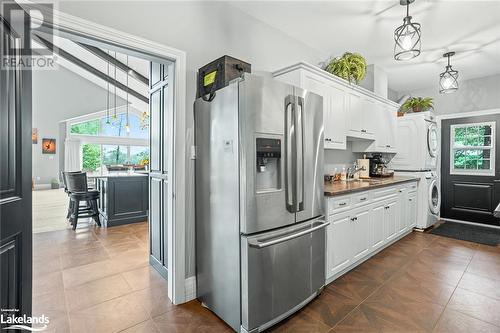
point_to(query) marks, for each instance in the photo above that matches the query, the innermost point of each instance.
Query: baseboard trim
(190, 288)
(471, 223)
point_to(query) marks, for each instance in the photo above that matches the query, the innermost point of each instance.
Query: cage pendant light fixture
(448, 80)
(407, 37)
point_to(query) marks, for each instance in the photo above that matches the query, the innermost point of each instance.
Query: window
(473, 149)
(95, 156)
(113, 127)
(106, 143)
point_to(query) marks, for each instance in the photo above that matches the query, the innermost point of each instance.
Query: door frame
(73, 27)
(439, 120)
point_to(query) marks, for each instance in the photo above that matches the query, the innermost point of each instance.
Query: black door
(470, 181)
(15, 166)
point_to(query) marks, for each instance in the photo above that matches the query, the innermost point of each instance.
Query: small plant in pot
(54, 183)
(418, 104)
(350, 66)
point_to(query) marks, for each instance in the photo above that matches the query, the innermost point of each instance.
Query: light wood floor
(99, 280)
(49, 210)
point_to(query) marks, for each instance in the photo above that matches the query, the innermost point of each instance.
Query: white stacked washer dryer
(417, 156)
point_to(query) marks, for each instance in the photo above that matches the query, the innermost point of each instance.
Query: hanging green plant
(350, 66)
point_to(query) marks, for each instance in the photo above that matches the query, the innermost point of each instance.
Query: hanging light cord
(128, 124)
(114, 114)
(107, 90)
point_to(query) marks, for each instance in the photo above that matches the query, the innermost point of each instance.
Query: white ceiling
(471, 28)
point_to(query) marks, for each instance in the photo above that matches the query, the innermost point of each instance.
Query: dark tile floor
(98, 280)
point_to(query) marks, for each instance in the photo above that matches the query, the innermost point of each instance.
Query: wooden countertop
(346, 187)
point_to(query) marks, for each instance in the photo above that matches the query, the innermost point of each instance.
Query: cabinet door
(391, 129)
(339, 243)
(380, 122)
(355, 119)
(402, 216)
(377, 235)
(390, 217)
(368, 116)
(412, 210)
(361, 232)
(335, 118)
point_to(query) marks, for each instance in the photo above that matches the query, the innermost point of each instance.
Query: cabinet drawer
(412, 187)
(386, 192)
(338, 205)
(361, 199)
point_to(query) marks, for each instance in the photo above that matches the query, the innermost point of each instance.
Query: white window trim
(469, 172)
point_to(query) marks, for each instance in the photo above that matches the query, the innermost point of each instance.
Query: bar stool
(65, 183)
(78, 189)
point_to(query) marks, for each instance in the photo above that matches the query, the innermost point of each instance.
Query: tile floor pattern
(98, 280)
(49, 210)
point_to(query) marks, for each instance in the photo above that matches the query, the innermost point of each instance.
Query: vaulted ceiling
(470, 28)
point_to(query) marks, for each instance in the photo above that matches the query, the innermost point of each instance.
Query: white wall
(472, 95)
(205, 31)
(58, 95)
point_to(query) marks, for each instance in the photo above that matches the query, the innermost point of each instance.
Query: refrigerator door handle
(299, 133)
(320, 224)
(290, 159)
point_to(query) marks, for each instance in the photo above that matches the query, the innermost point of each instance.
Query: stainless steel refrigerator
(260, 226)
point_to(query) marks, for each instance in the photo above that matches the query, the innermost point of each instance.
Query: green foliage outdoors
(351, 67)
(472, 155)
(91, 157)
(88, 128)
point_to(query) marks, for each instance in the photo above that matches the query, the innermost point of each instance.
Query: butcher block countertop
(346, 187)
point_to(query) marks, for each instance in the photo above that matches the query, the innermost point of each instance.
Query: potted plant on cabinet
(350, 67)
(418, 104)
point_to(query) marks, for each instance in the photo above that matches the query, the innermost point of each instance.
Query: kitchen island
(123, 199)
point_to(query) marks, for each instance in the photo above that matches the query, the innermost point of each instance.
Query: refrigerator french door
(260, 237)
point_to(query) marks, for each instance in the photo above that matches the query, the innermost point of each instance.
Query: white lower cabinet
(377, 234)
(360, 220)
(339, 253)
(412, 210)
(358, 230)
(391, 219)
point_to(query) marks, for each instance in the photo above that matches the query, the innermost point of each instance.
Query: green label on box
(209, 78)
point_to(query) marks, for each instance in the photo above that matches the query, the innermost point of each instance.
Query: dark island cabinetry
(123, 199)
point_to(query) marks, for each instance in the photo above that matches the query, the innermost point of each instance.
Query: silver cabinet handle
(362, 199)
(342, 203)
(260, 245)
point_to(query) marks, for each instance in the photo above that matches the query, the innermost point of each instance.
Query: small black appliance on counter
(378, 166)
(218, 74)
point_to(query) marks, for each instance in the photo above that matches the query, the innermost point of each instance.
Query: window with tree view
(473, 149)
(107, 142)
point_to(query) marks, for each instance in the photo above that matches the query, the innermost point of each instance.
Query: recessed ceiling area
(470, 28)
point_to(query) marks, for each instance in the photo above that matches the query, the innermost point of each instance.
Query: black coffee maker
(378, 166)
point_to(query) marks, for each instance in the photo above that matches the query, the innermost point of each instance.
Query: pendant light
(127, 125)
(407, 37)
(448, 80)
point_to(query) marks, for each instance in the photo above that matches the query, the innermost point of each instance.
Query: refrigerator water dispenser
(268, 164)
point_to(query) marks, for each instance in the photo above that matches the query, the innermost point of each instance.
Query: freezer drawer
(280, 271)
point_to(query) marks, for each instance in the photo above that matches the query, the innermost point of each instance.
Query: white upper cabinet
(350, 112)
(334, 104)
